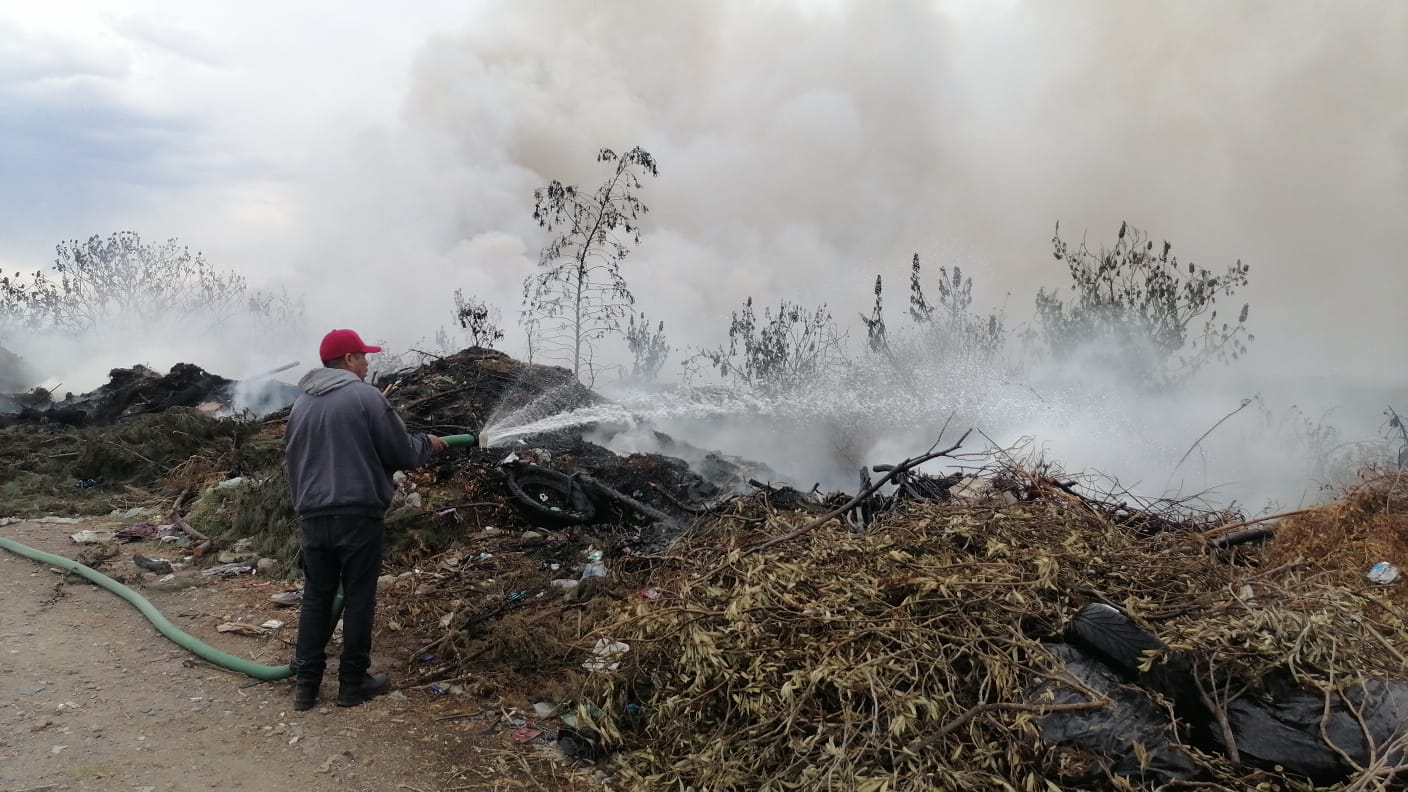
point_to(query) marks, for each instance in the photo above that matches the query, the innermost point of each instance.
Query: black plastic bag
(1281, 726)
(1111, 734)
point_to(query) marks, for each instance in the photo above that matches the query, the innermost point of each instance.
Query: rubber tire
(524, 481)
(1110, 635)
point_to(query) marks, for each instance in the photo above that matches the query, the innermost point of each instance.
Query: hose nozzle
(462, 440)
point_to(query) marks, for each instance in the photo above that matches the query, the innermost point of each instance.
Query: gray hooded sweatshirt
(344, 440)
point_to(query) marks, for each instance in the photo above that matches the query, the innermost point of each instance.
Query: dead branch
(1204, 436)
(1208, 534)
(1241, 537)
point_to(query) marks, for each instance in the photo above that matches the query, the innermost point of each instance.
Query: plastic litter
(136, 533)
(241, 628)
(607, 654)
(1288, 726)
(129, 514)
(158, 566)
(229, 570)
(91, 537)
(1112, 733)
(580, 742)
(286, 597)
(1383, 573)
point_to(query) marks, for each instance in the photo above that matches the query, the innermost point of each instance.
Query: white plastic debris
(1382, 573)
(91, 537)
(129, 514)
(605, 653)
(971, 489)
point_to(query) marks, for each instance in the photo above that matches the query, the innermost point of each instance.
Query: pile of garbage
(135, 391)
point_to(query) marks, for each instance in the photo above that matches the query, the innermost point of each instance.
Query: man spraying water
(344, 441)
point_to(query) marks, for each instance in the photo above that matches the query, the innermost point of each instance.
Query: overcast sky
(377, 158)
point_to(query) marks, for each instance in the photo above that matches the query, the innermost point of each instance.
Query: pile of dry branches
(907, 658)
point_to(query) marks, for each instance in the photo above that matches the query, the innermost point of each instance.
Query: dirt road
(95, 699)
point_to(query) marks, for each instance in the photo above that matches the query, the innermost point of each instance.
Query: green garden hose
(166, 628)
(460, 440)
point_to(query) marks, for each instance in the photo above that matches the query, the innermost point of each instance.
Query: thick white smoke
(806, 147)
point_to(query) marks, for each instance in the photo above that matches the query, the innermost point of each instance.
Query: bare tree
(578, 295)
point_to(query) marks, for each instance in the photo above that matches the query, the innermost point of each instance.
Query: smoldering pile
(1004, 627)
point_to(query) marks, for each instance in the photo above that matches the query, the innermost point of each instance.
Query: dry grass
(1367, 524)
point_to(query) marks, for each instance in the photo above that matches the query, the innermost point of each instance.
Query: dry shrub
(903, 659)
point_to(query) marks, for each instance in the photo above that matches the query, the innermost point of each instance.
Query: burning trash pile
(700, 626)
(139, 391)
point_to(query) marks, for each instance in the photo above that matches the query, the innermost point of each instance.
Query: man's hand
(437, 445)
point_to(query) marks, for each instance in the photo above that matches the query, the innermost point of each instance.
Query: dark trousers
(344, 551)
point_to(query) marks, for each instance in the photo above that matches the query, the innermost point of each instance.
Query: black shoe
(305, 694)
(350, 693)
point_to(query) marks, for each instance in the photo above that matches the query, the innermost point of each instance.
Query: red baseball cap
(343, 342)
